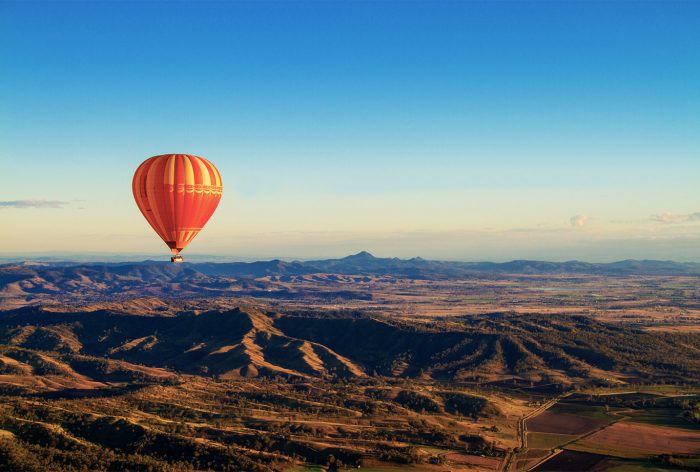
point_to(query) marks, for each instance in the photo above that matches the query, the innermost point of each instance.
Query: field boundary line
(562, 447)
(550, 454)
(522, 428)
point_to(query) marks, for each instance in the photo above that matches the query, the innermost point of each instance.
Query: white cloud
(578, 221)
(33, 204)
(676, 218)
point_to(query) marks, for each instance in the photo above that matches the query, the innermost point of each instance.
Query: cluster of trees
(85, 442)
(690, 407)
(684, 462)
(16, 455)
(480, 445)
(401, 455)
(691, 411)
(417, 401)
(463, 405)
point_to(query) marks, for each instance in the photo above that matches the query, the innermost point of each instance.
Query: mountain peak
(361, 255)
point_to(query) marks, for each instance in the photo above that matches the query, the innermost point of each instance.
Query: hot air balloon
(177, 194)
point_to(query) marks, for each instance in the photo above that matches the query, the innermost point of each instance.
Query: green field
(547, 440)
(648, 406)
(662, 417)
(582, 408)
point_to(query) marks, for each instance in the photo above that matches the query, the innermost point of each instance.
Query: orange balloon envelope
(177, 194)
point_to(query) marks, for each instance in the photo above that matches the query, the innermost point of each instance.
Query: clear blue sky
(458, 130)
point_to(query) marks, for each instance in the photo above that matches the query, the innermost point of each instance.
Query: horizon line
(113, 258)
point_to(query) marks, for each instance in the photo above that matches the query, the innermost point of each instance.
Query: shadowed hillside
(247, 342)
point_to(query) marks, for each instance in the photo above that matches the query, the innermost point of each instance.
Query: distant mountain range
(34, 282)
(364, 263)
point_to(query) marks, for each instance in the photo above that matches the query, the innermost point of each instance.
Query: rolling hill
(68, 347)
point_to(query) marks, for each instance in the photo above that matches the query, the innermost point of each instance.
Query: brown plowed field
(478, 462)
(529, 458)
(655, 439)
(571, 461)
(564, 423)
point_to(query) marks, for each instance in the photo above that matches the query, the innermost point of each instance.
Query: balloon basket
(177, 258)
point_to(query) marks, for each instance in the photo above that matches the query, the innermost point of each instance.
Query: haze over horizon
(455, 131)
(61, 257)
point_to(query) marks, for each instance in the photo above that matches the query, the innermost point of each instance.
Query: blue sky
(457, 130)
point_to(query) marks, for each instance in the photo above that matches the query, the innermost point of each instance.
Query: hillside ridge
(247, 342)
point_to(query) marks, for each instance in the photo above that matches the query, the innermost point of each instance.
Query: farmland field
(663, 417)
(565, 423)
(529, 458)
(472, 461)
(572, 460)
(646, 438)
(576, 461)
(626, 431)
(548, 440)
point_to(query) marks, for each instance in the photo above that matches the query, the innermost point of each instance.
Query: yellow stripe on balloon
(219, 180)
(206, 177)
(217, 176)
(169, 177)
(189, 171)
